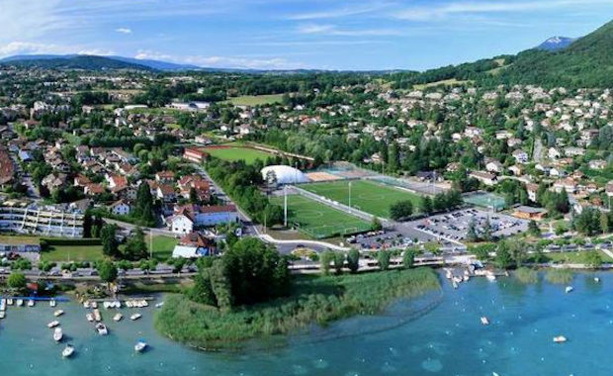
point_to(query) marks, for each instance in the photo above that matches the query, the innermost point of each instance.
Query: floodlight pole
(285, 206)
(349, 194)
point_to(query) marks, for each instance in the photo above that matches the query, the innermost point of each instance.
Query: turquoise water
(448, 340)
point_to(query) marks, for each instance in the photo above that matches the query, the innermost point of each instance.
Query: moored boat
(94, 305)
(159, 305)
(9, 301)
(135, 316)
(89, 317)
(97, 315)
(117, 317)
(31, 303)
(68, 351)
(52, 303)
(140, 346)
(58, 334)
(102, 329)
(58, 313)
(485, 320)
(19, 302)
(53, 324)
(86, 304)
(568, 289)
(2, 315)
(559, 339)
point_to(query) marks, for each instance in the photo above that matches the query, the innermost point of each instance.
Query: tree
(17, 281)
(487, 230)
(193, 196)
(518, 250)
(383, 258)
(353, 260)
(401, 209)
(143, 209)
(408, 258)
(136, 248)
(503, 256)
(425, 205)
(376, 224)
(87, 225)
(393, 160)
(202, 292)
(593, 259)
(107, 271)
(221, 285)
(604, 223)
(324, 261)
(109, 240)
(533, 228)
(339, 262)
(471, 233)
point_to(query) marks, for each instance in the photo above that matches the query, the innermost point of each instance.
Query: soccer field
(237, 153)
(367, 196)
(318, 220)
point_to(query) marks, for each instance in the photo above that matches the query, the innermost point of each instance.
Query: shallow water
(449, 340)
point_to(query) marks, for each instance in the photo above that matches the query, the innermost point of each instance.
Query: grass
(162, 246)
(255, 100)
(367, 196)
(573, 257)
(319, 220)
(313, 300)
(450, 82)
(237, 153)
(526, 275)
(73, 253)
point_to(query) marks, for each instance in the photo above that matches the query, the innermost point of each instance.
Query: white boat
(568, 289)
(53, 324)
(117, 304)
(490, 277)
(52, 303)
(89, 317)
(86, 304)
(2, 315)
(129, 304)
(117, 317)
(159, 305)
(68, 351)
(596, 279)
(144, 303)
(97, 315)
(58, 335)
(19, 302)
(466, 278)
(485, 321)
(140, 346)
(102, 329)
(58, 313)
(94, 305)
(9, 301)
(2, 304)
(31, 303)
(135, 316)
(559, 339)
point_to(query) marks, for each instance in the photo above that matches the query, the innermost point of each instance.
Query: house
(165, 177)
(573, 151)
(116, 181)
(187, 217)
(520, 156)
(516, 170)
(528, 213)
(503, 135)
(124, 192)
(568, 184)
(194, 155)
(494, 166)
(81, 181)
(54, 181)
(598, 164)
(532, 190)
(484, 177)
(181, 223)
(553, 153)
(194, 245)
(120, 208)
(166, 193)
(94, 189)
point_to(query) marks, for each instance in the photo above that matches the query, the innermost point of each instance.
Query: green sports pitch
(368, 196)
(235, 153)
(320, 221)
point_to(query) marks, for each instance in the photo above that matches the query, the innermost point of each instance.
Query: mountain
(555, 44)
(157, 64)
(86, 62)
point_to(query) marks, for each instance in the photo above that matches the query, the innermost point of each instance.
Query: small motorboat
(19, 302)
(2, 315)
(102, 329)
(31, 303)
(596, 279)
(97, 315)
(53, 324)
(9, 301)
(490, 277)
(559, 339)
(68, 351)
(94, 305)
(135, 316)
(568, 289)
(89, 317)
(484, 320)
(86, 304)
(159, 305)
(52, 303)
(58, 313)
(140, 346)
(58, 335)
(117, 317)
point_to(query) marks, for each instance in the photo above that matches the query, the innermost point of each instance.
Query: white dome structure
(284, 174)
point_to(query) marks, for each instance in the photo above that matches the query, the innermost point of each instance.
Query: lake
(447, 340)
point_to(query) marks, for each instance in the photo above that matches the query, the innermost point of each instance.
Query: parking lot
(401, 238)
(454, 226)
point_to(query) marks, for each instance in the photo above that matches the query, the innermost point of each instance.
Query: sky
(292, 34)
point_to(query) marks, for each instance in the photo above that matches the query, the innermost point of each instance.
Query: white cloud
(31, 48)
(124, 30)
(223, 61)
(339, 12)
(334, 30)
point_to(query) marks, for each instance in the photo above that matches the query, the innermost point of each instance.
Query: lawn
(255, 100)
(162, 246)
(237, 153)
(318, 220)
(73, 253)
(450, 82)
(367, 196)
(573, 257)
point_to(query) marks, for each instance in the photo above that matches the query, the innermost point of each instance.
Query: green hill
(85, 62)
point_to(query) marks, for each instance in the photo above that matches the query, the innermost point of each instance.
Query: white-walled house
(120, 208)
(189, 217)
